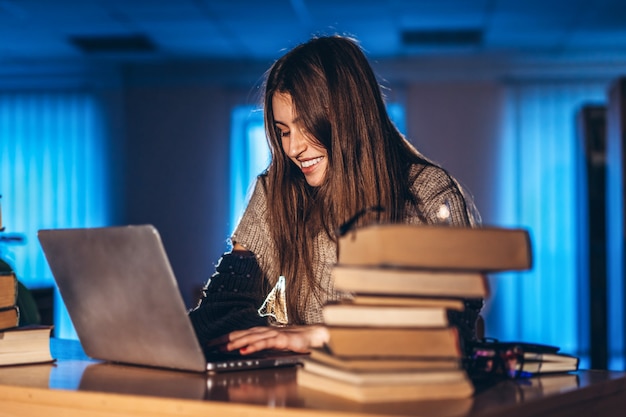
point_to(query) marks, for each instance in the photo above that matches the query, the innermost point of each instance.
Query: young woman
(335, 153)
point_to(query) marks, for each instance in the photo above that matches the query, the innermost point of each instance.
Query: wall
(458, 125)
(176, 172)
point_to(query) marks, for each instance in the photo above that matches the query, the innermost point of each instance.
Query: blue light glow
(52, 175)
(249, 156)
(538, 186)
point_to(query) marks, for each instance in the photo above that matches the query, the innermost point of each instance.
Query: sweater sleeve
(253, 233)
(230, 298)
(437, 190)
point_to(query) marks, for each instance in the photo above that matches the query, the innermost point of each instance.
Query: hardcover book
(484, 249)
(8, 289)
(345, 314)
(384, 377)
(401, 281)
(322, 355)
(379, 393)
(390, 300)
(394, 342)
(26, 344)
(9, 317)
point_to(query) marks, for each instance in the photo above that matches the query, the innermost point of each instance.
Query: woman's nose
(297, 143)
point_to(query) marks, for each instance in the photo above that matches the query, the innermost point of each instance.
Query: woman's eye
(283, 134)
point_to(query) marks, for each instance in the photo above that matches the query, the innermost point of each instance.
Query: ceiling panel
(253, 29)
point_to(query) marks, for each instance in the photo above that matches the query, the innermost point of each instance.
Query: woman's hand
(294, 338)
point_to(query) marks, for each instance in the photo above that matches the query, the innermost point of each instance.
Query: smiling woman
(250, 153)
(334, 153)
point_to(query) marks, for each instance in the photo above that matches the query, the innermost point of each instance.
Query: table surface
(78, 384)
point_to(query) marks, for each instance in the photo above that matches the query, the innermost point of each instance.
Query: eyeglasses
(348, 225)
(497, 362)
(492, 358)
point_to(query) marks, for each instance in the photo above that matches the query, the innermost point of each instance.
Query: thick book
(322, 355)
(26, 344)
(394, 342)
(484, 249)
(546, 363)
(412, 301)
(345, 314)
(9, 317)
(397, 281)
(377, 393)
(8, 289)
(384, 377)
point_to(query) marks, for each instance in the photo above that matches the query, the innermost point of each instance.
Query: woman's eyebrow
(297, 120)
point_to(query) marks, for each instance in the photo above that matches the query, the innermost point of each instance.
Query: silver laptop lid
(122, 296)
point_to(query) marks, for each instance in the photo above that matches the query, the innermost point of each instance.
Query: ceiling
(261, 29)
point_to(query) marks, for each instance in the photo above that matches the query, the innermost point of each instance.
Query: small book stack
(392, 340)
(19, 344)
(9, 313)
(519, 359)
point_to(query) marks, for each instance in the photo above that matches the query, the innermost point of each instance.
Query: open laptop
(125, 304)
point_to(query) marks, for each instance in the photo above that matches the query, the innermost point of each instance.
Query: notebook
(123, 299)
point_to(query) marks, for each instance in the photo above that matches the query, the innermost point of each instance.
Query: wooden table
(78, 386)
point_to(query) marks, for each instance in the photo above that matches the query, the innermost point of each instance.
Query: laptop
(123, 299)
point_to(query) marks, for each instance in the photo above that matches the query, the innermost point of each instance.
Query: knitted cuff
(215, 319)
(230, 299)
(237, 272)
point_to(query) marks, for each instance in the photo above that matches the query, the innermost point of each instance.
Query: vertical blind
(540, 170)
(53, 165)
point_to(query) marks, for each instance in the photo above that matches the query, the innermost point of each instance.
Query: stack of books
(9, 313)
(19, 344)
(393, 340)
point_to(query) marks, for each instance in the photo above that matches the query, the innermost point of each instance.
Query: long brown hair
(339, 100)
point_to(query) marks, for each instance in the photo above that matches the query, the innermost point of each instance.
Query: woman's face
(311, 158)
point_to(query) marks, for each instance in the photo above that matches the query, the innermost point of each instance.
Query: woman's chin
(314, 180)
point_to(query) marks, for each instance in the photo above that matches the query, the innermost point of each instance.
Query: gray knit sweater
(239, 285)
(433, 187)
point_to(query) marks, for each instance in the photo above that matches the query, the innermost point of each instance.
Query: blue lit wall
(249, 156)
(53, 166)
(538, 189)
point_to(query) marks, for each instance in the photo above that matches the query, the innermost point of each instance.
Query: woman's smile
(304, 151)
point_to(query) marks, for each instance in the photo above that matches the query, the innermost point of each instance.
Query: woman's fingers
(235, 335)
(279, 340)
(296, 338)
(253, 337)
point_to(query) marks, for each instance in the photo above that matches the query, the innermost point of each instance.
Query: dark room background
(121, 138)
